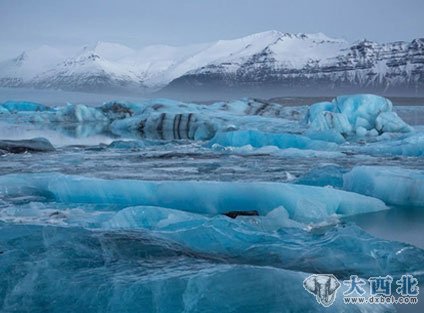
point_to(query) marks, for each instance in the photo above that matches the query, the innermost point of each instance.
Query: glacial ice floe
(303, 203)
(358, 114)
(170, 241)
(409, 146)
(29, 145)
(162, 118)
(259, 139)
(121, 270)
(23, 106)
(394, 185)
(255, 122)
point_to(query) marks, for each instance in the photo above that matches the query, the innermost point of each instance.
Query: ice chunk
(394, 185)
(27, 145)
(326, 135)
(363, 123)
(78, 113)
(249, 238)
(117, 110)
(412, 145)
(364, 106)
(167, 126)
(361, 131)
(304, 203)
(329, 120)
(24, 106)
(317, 108)
(357, 114)
(391, 122)
(133, 272)
(3, 110)
(329, 175)
(245, 240)
(260, 139)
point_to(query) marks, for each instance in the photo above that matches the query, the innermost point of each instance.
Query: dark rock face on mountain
(265, 62)
(393, 67)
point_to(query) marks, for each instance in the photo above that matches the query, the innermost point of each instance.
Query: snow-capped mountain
(265, 60)
(95, 68)
(24, 67)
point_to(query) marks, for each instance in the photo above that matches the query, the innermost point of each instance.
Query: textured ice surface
(259, 139)
(303, 203)
(135, 272)
(29, 145)
(393, 185)
(412, 145)
(160, 118)
(23, 106)
(126, 214)
(358, 114)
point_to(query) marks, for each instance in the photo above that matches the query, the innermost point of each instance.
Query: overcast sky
(28, 24)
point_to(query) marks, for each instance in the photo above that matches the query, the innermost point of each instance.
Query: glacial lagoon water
(123, 208)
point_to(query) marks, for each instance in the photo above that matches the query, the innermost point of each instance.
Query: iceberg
(259, 139)
(23, 106)
(3, 110)
(362, 115)
(166, 126)
(245, 240)
(275, 151)
(140, 216)
(248, 239)
(328, 175)
(391, 122)
(28, 145)
(326, 121)
(394, 185)
(161, 119)
(304, 204)
(409, 146)
(66, 269)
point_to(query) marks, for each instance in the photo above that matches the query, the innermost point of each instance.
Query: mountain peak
(269, 56)
(21, 58)
(108, 50)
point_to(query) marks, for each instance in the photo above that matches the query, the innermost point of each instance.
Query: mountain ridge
(270, 59)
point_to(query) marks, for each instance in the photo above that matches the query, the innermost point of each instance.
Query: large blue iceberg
(393, 185)
(358, 114)
(303, 203)
(133, 272)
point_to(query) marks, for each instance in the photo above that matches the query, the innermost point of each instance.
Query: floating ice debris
(26, 145)
(394, 185)
(23, 106)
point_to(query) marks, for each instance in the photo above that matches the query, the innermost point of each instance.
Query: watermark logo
(323, 286)
(374, 290)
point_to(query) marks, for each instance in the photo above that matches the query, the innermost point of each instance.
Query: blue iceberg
(133, 272)
(356, 115)
(23, 106)
(393, 185)
(260, 139)
(304, 204)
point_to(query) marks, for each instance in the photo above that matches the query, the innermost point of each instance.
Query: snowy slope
(28, 64)
(268, 58)
(91, 70)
